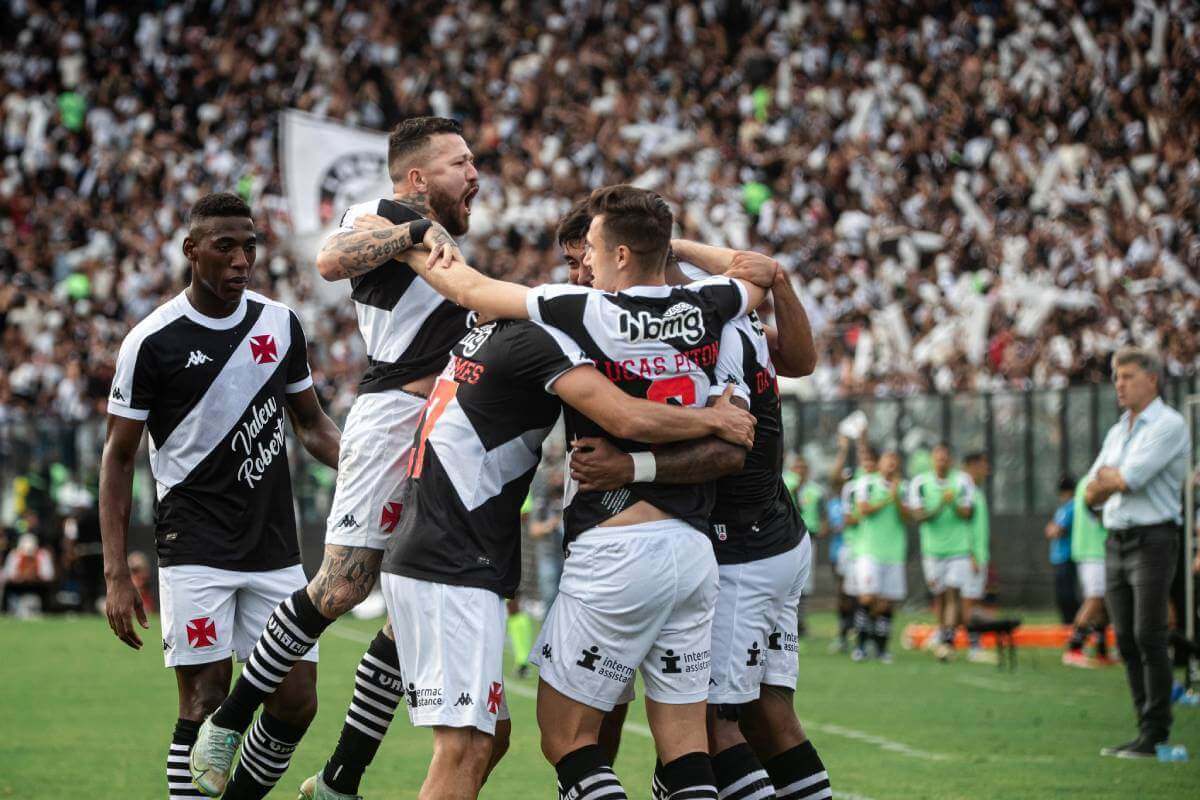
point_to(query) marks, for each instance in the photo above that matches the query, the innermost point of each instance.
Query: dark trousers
(1066, 591)
(1140, 563)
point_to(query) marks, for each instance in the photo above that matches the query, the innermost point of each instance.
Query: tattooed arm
(346, 577)
(599, 466)
(374, 241)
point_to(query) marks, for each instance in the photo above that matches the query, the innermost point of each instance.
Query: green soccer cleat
(212, 758)
(315, 789)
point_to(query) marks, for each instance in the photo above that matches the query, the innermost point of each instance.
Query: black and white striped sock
(658, 789)
(179, 777)
(292, 630)
(690, 777)
(799, 774)
(377, 692)
(740, 776)
(883, 631)
(862, 625)
(265, 755)
(583, 774)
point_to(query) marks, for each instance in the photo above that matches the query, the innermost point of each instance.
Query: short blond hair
(1146, 360)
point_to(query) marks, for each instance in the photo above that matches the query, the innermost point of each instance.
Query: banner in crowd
(328, 167)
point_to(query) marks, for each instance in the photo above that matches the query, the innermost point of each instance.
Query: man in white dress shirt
(1137, 481)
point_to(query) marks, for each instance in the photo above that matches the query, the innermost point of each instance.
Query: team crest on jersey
(681, 321)
(262, 349)
(201, 632)
(390, 517)
(495, 692)
(475, 339)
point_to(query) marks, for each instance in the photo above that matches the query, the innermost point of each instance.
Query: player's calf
(736, 768)
(461, 757)
(789, 757)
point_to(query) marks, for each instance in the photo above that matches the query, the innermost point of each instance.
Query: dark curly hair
(411, 135)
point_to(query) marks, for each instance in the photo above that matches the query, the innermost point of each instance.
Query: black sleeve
(724, 295)
(541, 355)
(562, 307)
(299, 375)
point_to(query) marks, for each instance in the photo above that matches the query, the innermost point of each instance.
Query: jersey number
(681, 389)
(443, 392)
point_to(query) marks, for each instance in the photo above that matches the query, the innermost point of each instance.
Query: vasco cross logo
(262, 349)
(681, 321)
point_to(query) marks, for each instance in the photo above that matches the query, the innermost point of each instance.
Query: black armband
(417, 230)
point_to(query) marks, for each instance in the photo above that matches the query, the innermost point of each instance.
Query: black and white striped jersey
(754, 516)
(212, 393)
(657, 342)
(475, 454)
(408, 327)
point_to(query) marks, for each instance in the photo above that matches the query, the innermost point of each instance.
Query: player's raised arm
(461, 283)
(626, 417)
(116, 498)
(793, 351)
(369, 240)
(755, 277)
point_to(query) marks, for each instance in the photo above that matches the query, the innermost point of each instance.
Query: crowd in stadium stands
(970, 198)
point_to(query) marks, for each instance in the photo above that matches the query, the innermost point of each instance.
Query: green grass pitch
(81, 716)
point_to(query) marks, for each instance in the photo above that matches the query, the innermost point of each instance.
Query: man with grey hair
(1137, 482)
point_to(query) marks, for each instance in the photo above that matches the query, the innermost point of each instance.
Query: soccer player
(854, 616)
(456, 554)
(940, 500)
(883, 551)
(976, 466)
(1088, 539)
(640, 582)
(211, 374)
(408, 330)
(810, 498)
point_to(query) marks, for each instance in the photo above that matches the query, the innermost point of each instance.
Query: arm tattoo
(697, 461)
(359, 252)
(346, 577)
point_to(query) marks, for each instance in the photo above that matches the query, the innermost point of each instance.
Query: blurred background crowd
(971, 197)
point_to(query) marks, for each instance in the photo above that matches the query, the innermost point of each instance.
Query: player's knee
(335, 596)
(202, 699)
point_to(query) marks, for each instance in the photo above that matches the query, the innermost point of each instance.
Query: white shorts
(450, 640)
(750, 604)
(209, 614)
(632, 597)
(975, 585)
(946, 573)
(848, 564)
(1091, 577)
(372, 468)
(783, 645)
(875, 578)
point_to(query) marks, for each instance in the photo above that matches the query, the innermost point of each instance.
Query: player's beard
(449, 211)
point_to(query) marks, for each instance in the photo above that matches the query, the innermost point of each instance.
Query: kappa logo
(201, 632)
(495, 694)
(670, 663)
(390, 517)
(753, 652)
(166, 646)
(547, 652)
(196, 358)
(464, 699)
(262, 349)
(116, 394)
(681, 321)
(589, 659)
(347, 521)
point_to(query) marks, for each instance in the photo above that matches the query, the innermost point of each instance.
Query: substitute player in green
(977, 467)
(883, 550)
(1088, 540)
(941, 500)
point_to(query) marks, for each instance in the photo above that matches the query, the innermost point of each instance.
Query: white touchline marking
(878, 741)
(984, 683)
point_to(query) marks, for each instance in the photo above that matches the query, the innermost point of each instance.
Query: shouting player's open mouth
(468, 198)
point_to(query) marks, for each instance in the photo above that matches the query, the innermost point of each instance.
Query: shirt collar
(1149, 413)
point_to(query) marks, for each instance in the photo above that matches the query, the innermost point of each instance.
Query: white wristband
(644, 467)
